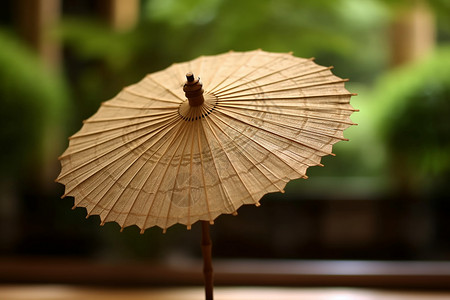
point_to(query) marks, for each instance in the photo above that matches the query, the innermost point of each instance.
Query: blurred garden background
(385, 196)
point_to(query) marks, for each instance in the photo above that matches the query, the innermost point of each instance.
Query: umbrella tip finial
(193, 90)
(190, 76)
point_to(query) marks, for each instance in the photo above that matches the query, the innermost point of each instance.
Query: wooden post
(207, 260)
(121, 15)
(413, 32)
(36, 19)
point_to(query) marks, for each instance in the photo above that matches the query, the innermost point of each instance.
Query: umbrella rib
(249, 57)
(289, 126)
(140, 189)
(100, 142)
(262, 146)
(246, 75)
(270, 74)
(171, 142)
(169, 125)
(191, 129)
(68, 192)
(299, 87)
(165, 88)
(145, 181)
(80, 135)
(119, 195)
(233, 98)
(109, 104)
(279, 135)
(200, 65)
(129, 90)
(214, 73)
(129, 117)
(220, 143)
(231, 163)
(202, 169)
(242, 151)
(224, 92)
(96, 145)
(226, 123)
(221, 186)
(288, 114)
(126, 185)
(308, 107)
(213, 157)
(184, 133)
(180, 70)
(113, 138)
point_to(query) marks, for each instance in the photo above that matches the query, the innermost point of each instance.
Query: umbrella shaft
(207, 260)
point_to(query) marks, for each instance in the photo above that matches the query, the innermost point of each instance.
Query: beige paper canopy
(151, 157)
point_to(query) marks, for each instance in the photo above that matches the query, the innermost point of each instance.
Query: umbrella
(175, 148)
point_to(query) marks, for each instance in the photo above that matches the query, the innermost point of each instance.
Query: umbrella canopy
(166, 151)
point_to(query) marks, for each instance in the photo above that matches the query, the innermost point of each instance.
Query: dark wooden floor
(288, 273)
(195, 293)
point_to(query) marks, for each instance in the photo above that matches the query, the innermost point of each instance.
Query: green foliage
(342, 32)
(345, 33)
(94, 40)
(415, 104)
(32, 101)
(99, 61)
(182, 13)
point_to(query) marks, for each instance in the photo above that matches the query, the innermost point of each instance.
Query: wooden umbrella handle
(207, 260)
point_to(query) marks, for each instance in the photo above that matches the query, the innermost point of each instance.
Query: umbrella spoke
(244, 153)
(170, 143)
(120, 167)
(230, 72)
(293, 127)
(116, 198)
(144, 183)
(202, 170)
(153, 116)
(129, 90)
(295, 88)
(328, 108)
(304, 97)
(107, 139)
(191, 161)
(230, 163)
(121, 127)
(286, 114)
(246, 75)
(222, 185)
(83, 177)
(167, 127)
(115, 105)
(168, 90)
(211, 69)
(284, 79)
(128, 183)
(269, 151)
(176, 174)
(265, 75)
(250, 124)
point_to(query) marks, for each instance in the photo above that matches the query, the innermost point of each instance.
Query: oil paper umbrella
(169, 150)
